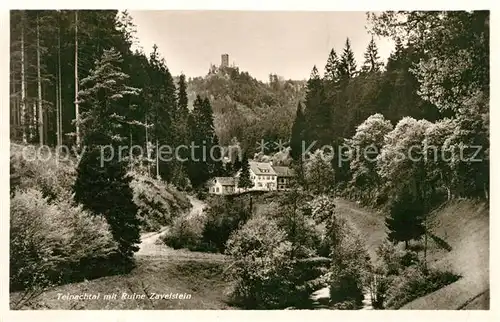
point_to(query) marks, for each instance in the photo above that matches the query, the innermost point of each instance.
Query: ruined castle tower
(224, 60)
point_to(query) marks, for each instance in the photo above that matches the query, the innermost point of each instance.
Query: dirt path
(149, 241)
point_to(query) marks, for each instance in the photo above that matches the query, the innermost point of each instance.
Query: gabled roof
(283, 171)
(225, 181)
(262, 168)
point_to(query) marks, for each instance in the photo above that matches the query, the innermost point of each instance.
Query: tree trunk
(23, 85)
(33, 122)
(147, 145)
(58, 87)
(77, 118)
(157, 161)
(406, 244)
(39, 81)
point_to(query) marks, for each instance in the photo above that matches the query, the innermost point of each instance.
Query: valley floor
(199, 277)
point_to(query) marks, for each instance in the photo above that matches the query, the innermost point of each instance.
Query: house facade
(283, 177)
(263, 176)
(223, 185)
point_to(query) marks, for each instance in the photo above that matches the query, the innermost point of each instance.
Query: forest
(77, 85)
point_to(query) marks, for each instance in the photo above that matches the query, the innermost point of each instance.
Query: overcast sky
(285, 43)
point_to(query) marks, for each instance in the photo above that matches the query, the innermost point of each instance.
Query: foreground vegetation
(78, 219)
(54, 240)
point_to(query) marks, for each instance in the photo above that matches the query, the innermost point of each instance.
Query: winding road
(149, 245)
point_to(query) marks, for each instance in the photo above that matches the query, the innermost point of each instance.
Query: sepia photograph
(249, 160)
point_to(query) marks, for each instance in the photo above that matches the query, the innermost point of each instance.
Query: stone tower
(224, 60)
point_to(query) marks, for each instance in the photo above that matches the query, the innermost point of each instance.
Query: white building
(223, 185)
(262, 175)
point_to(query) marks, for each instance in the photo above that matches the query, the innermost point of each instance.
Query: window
(260, 184)
(217, 189)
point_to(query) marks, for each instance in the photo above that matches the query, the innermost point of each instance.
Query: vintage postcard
(249, 160)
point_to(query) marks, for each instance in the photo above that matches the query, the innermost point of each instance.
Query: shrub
(52, 243)
(350, 266)
(53, 177)
(186, 232)
(415, 282)
(158, 204)
(399, 277)
(261, 268)
(222, 218)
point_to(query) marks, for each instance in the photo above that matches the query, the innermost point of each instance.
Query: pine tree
(347, 65)
(297, 137)
(372, 61)
(405, 221)
(244, 181)
(331, 68)
(317, 112)
(198, 168)
(216, 165)
(105, 190)
(182, 95)
(162, 101)
(102, 186)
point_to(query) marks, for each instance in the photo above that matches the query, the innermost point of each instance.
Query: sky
(285, 43)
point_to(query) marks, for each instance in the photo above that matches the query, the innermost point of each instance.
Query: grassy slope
(463, 225)
(200, 275)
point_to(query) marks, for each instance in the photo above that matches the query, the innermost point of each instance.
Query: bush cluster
(399, 277)
(55, 242)
(158, 204)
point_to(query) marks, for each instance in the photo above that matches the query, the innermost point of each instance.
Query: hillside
(246, 108)
(460, 226)
(464, 226)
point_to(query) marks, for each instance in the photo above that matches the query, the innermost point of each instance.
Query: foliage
(365, 147)
(415, 282)
(246, 108)
(469, 146)
(223, 217)
(261, 265)
(319, 174)
(405, 221)
(105, 190)
(456, 64)
(53, 176)
(400, 162)
(297, 136)
(399, 277)
(158, 203)
(186, 232)
(203, 165)
(55, 242)
(331, 67)
(350, 262)
(438, 169)
(347, 65)
(293, 213)
(244, 180)
(372, 63)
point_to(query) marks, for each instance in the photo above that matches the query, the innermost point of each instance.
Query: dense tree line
(410, 134)
(53, 54)
(76, 82)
